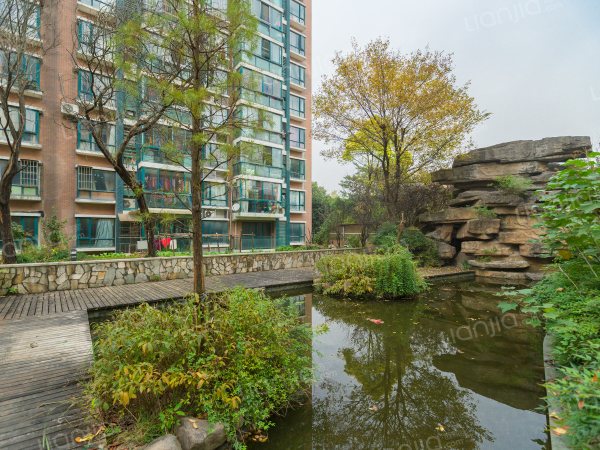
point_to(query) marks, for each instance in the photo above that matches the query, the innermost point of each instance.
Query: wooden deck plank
(44, 359)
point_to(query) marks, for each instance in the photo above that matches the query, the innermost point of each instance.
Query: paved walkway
(93, 299)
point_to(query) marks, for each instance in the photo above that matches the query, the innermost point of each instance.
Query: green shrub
(512, 184)
(483, 212)
(244, 354)
(567, 303)
(354, 241)
(390, 276)
(421, 247)
(284, 248)
(385, 236)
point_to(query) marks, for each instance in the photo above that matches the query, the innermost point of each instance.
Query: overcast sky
(534, 64)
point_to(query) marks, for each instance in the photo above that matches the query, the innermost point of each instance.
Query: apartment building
(260, 203)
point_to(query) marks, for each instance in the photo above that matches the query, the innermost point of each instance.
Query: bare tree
(27, 33)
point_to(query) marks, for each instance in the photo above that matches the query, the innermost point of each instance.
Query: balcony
(94, 6)
(265, 209)
(157, 155)
(178, 203)
(259, 62)
(257, 170)
(249, 242)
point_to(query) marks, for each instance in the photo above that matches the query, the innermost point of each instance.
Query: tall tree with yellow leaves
(405, 114)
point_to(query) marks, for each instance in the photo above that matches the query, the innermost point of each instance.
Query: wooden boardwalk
(93, 299)
(42, 359)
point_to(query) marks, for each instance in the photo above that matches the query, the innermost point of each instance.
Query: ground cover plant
(392, 275)
(238, 354)
(567, 302)
(512, 184)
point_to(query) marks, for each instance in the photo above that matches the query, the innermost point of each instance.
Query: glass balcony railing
(262, 99)
(257, 170)
(259, 62)
(248, 242)
(248, 205)
(157, 155)
(169, 201)
(270, 31)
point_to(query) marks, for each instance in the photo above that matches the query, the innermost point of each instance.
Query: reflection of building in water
(303, 304)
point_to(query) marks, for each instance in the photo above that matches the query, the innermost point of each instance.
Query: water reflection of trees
(391, 363)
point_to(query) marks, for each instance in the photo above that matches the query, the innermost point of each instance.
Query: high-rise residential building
(260, 203)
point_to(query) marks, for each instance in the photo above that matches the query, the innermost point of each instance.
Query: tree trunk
(400, 229)
(197, 175)
(8, 243)
(149, 221)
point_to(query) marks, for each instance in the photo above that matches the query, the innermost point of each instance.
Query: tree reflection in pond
(411, 383)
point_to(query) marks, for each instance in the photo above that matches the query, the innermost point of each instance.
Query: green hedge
(391, 275)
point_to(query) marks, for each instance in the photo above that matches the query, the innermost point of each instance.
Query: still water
(445, 371)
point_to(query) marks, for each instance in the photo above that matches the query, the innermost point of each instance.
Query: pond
(445, 371)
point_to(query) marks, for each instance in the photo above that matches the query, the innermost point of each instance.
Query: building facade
(260, 203)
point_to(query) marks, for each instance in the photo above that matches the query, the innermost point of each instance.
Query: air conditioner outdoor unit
(69, 109)
(128, 203)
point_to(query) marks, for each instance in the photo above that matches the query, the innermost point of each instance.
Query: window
(25, 182)
(297, 169)
(32, 120)
(27, 70)
(95, 233)
(89, 37)
(30, 228)
(256, 84)
(297, 233)
(297, 43)
(95, 184)
(214, 194)
(159, 145)
(297, 200)
(270, 19)
(214, 156)
(86, 142)
(297, 106)
(297, 137)
(271, 51)
(297, 75)
(160, 180)
(210, 228)
(258, 196)
(93, 86)
(298, 12)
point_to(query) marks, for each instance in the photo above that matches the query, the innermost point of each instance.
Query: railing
(297, 113)
(270, 31)
(259, 206)
(262, 99)
(157, 155)
(169, 201)
(95, 195)
(257, 170)
(251, 242)
(297, 175)
(297, 239)
(259, 62)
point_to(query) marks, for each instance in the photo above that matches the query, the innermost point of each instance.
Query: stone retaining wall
(48, 277)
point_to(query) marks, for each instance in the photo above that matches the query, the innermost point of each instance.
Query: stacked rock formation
(504, 245)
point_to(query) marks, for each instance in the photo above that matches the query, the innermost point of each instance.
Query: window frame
(90, 239)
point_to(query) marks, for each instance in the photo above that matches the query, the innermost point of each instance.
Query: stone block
(516, 276)
(442, 233)
(449, 215)
(446, 251)
(488, 248)
(556, 149)
(167, 442)
(141, 278)
(532, 250)
(506, 264)
(109, 278)
(204, 436)
(518, 236)
(487, 172)
(34, 288)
